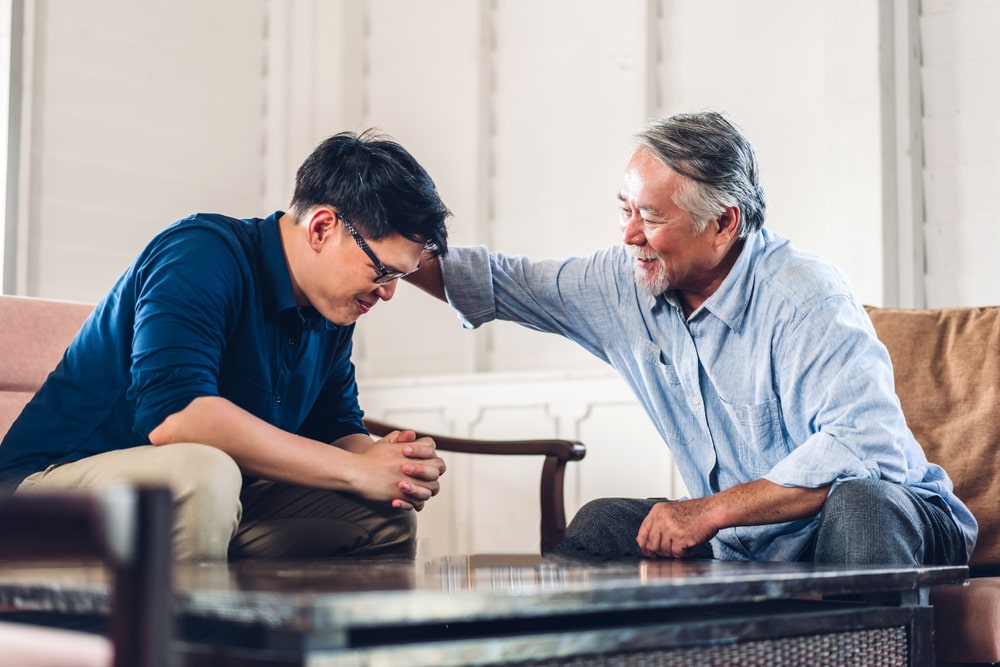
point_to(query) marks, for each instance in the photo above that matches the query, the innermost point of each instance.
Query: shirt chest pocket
(761, 443)
(662, 394)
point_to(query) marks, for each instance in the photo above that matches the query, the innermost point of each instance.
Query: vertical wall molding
(902, 154)
(483, 348)
(654, 60)
(277, 64)
(15, 241)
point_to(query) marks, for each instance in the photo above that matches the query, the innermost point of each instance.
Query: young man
(220, 365)
(755, 361)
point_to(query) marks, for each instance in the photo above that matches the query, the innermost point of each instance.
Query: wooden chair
(556, 452)
(128, 530)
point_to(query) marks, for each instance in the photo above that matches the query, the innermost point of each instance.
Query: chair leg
(141, 618)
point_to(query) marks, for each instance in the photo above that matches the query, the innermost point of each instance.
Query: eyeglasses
(385, 275)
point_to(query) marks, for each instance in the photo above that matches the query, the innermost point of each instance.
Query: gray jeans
(862, 522)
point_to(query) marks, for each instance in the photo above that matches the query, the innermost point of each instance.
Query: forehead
(647, 180)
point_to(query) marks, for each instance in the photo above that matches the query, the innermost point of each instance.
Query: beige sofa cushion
(33, 335)
(947, 368)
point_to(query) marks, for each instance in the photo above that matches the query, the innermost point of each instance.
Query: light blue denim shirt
(778, 375)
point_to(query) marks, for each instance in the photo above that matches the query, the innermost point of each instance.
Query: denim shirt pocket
(761, 443)
(663, 395)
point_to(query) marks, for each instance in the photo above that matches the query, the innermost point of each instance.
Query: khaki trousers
(217, 516)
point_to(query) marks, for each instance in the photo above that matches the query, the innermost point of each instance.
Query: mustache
(638, 253)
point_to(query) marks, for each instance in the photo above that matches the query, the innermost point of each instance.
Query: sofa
(946, 364)
(947, 369)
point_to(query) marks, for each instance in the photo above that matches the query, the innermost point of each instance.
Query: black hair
(376, 185)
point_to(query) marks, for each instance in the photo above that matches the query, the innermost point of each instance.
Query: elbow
(163, 434)
(188, 424)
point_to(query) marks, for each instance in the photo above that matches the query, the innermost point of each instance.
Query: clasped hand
(408, 468)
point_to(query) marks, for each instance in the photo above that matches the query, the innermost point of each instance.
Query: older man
(755, 361)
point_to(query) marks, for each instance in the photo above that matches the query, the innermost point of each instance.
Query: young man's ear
(321, 224)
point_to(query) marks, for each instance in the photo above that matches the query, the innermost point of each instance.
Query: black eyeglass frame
(385, 275)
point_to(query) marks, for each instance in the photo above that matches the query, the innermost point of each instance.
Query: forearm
(674, 529)
(762, 502)
(398, 468)
(260, 449)
(429, 277)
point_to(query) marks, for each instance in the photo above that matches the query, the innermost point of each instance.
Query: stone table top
(323, 596)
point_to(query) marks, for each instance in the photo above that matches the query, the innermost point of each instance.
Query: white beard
(651, 282)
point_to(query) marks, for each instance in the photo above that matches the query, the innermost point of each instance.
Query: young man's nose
(387, 290)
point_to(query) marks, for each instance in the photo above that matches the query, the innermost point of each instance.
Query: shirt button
(277, 398)
(291, 341)
(696, 400)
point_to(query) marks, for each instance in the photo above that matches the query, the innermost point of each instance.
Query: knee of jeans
(407, 528)
(397, 527)
(601, 513)
(591, 511)
(853, 495)
(206, 484)
(205, 476)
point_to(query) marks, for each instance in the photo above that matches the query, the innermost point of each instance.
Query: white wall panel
(962, 152)
(141, 113)
(570, 90)
(423, 83)
(801, 79)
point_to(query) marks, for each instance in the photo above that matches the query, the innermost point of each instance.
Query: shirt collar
(276, 282)
(730, 301)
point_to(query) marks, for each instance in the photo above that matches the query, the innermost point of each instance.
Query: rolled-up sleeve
(838, 396)
(185, 308)
(468, 280)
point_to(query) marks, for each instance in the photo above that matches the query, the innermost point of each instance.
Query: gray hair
(719, 163)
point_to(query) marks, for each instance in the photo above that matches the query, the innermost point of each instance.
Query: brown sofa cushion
(947, 368)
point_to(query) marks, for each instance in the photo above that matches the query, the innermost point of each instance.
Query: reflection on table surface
(326, 595)
(479, 572)
(523, 573)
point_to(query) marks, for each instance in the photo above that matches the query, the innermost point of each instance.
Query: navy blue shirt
(207, 309)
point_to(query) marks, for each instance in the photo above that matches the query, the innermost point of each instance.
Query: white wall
(136, 114)
(961, 82)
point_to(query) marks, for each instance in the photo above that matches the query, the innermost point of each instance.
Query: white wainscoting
(489, 504)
